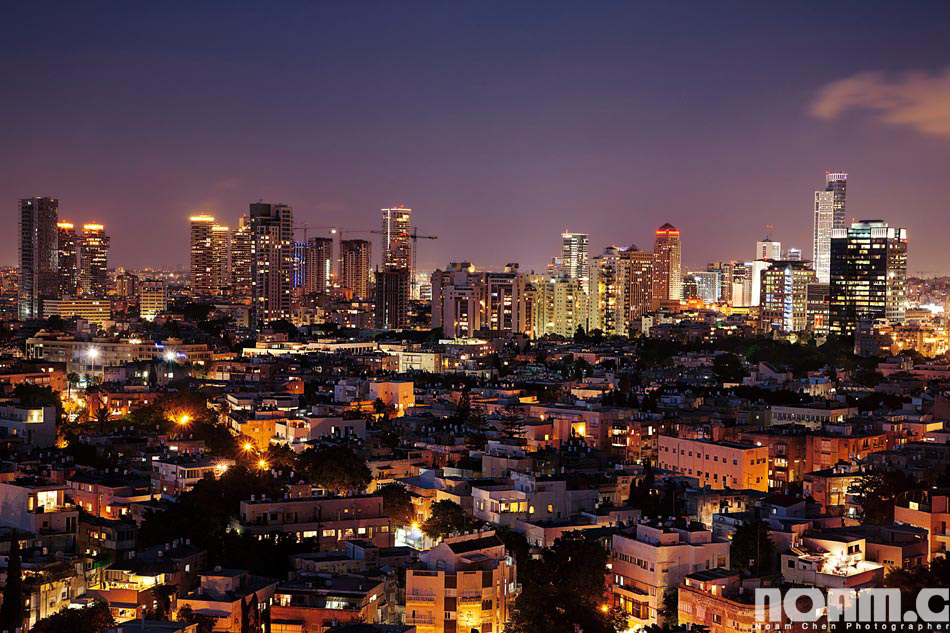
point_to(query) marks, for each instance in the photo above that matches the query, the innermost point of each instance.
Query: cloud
(920, 100)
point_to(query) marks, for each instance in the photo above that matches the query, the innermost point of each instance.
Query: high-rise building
(355, 267)
(392, 299)
(466, 302)
(726, 271)
(397, 243)
(609, 293)
(68, 260)
(868, 275)
(768, 249)
(318, 264)
(667, 265)
(272, 261)
(94, 261)
(708, 285)
(561, 305)
(793, 254)
(153, 299)
(639, 281)
(818, 299)
(210, 256)
(39, 255)
(127, 285)
(220, 259)
(783, 304)
(830, 214)
(241, 259)
(202, 266)
(575, 248)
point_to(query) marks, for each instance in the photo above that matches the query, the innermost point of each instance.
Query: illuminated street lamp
(262, 464)
(184, 420)
(92, 354)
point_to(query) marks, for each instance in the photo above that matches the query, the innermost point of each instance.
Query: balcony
(420, 598)
(420, 620)
(469, 597)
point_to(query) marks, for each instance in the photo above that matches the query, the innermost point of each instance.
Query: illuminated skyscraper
(272, 261)
(783, 302)
(241, 259)
(202, 265)
(397, 244)
(830, 214)
(39, 255)
(68, 260)
(639, 266)
(575, 256)
(868, 275)
(210, 256)
(318, 264)
(94, 261)
(609, 293)
(355, 267)
(667, 265)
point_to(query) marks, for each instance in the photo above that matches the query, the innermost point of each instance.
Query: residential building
(272, 258)
(467, 582)
(716, 464)
(94, 261)
(355, 268)
(392, 299)
(39, 255)
(652, 559)
(68, 259)
(153, 298)
(783, 297)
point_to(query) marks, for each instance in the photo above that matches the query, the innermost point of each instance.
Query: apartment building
(468, 582)
(107, 497)
(831, 559)
(653, 558)
(224, 593)
(332, 520)
(824, 449)
(34, 426)
(40, 508)
(928, 509)
(530, 498)
(717, 600)
(716, 464)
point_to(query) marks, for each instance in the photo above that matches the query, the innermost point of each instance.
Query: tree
(72, 380)
(752, 549)
(512, 423)
(11, 611)
(335, 468)
(102, 418)
(728, 368)
(876, 492)
(446, 517)
(205, 622)
(563, 590)
(397, 503)
(162, 595)
(90, 619)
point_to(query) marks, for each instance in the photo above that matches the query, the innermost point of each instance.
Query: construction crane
(414, 236)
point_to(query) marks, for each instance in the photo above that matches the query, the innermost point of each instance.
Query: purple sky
(501, 124)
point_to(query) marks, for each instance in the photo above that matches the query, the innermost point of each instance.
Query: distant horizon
(499, 124)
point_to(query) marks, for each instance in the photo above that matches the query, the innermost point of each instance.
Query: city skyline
(570, 137)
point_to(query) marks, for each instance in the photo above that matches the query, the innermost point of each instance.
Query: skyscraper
(202, 265)
(783, 302)
(609, 293)
(392, 299)
(667, 265)
(318, 264)
(210, 256)
(220, 259)
(397, 244)
(272, 261)
(868, 275)
(94, 261)
(68, 260)
(39, 255)
(241, 258)
(830, 214)
(575, 256)
(355, 267)
(639, 281)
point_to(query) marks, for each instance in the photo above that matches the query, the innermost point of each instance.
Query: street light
(248, 447)
(92, 354)
(183, 420)
(262, 464)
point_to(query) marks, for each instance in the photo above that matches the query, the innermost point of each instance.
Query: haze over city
(500, 124)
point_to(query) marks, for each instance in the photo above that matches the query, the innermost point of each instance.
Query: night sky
(500, 123)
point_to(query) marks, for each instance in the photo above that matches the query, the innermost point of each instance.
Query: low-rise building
(716, 464)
